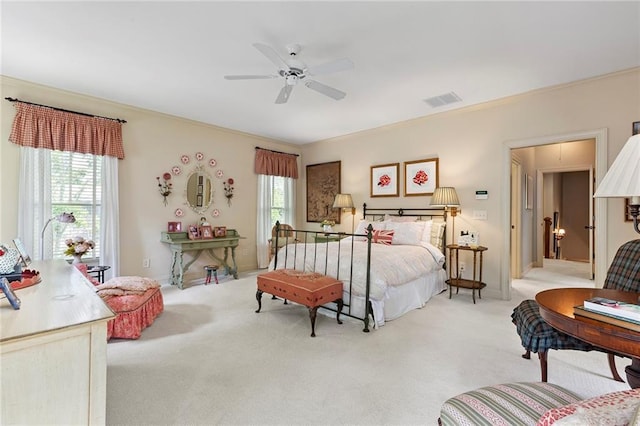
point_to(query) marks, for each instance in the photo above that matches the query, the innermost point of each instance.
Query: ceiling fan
(293, 70)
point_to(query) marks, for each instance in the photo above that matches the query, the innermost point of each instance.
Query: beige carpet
(209, 359)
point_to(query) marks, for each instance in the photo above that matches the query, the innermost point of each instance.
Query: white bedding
(391, 265)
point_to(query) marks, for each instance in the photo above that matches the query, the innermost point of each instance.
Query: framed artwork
(174, 226)
(194, 232)
(220, 231)
(420, 177)
(385, 180)
(635, 129)
(24, 256)
(206, 232)
(8, 291)
(528, 192)
(627, 216)
(323, 183)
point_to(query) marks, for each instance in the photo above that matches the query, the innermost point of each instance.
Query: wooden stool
(211, 269)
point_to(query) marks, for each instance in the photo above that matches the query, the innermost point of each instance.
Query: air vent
(447, 98)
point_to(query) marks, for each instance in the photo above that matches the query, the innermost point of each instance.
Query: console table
(179, 243)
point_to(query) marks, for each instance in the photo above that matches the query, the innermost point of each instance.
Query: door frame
(600, 213)
(539, 217)
(515, 216)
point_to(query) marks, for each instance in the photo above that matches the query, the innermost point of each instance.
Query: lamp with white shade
(345, 202)
(623, 178)
(62, 218)
(446, 196)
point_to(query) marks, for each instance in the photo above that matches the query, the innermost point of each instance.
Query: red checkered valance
(42, 127)
(272, 163)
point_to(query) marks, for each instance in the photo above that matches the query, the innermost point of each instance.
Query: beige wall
(153, 144)
(470, 145)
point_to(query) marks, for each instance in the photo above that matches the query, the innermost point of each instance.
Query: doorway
(598, 215)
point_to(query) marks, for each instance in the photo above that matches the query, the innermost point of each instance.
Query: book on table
(580, 311)
(613, 307)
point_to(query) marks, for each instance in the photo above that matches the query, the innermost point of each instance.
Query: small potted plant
(327, 224)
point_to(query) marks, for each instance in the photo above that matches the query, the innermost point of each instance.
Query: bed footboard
(303, 247)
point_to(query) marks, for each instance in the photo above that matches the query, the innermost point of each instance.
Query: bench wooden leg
(312, 316)
(340, 305)
(259, 299)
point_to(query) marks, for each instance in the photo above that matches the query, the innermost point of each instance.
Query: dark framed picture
(635, 129)
(194, 232)
(323, 183)
(206, 232)
(220, 231)
(385, 181)
(174, 226)
(420, 177)
(8, 291)
(24, 256)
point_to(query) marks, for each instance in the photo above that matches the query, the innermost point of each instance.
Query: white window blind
(76, 187)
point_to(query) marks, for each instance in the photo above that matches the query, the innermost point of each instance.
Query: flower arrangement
(165, 186)
(78, 246)
(327, 224)
(228, 190)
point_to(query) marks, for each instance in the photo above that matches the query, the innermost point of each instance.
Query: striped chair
(538, 336)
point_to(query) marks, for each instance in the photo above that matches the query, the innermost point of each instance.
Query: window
(276, 202)
(278, 207)
(76, 187)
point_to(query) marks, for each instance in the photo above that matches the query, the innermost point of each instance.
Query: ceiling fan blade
(333, 66)
(248, 77)
(325, 90)
(271, 55)
(284, 94)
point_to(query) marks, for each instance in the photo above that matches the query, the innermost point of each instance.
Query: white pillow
(389, 218)
(426, 233)
(407, 233)
(437, 234)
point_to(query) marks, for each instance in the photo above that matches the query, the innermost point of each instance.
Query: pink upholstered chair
(136, 301)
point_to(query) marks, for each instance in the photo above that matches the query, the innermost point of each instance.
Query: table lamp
(446, 196)
(345, 202)
(623, 178)
(62, 218)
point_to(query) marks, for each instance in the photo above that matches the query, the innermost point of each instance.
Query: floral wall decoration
(228, 190)
(164, 186)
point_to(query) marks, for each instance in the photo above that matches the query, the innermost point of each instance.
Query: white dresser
(53, 365)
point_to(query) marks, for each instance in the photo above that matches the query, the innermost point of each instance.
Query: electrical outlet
(462, 266)
(146, 263)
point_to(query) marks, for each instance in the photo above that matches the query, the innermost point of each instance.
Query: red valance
(41, 127)
(276, 164)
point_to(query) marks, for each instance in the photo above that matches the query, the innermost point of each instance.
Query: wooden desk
(556, 307)
(179, 243)
(53, 351)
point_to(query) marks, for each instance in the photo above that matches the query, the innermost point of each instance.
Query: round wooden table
(556, 307)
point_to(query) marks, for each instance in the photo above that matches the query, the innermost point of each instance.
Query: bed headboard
(437, 214)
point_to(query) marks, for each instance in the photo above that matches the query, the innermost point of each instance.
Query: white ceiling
(171, 56)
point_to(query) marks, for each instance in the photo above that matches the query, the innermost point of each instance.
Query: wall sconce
(623, 178)
(62, 218)
(345, 202)
(446, 196)
(559, 233)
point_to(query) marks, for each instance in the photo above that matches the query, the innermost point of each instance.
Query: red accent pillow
(382, 237)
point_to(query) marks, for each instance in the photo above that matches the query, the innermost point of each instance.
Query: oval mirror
(199, 191)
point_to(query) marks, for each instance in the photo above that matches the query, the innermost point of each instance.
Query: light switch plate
(480, 214)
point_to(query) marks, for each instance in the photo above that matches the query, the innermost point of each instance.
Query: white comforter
(391, 265)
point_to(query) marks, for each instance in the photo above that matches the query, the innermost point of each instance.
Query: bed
(392, 263)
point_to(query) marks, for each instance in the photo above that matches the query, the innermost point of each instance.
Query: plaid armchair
(538, 336)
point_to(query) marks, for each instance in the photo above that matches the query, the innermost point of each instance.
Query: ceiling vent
(447, 98)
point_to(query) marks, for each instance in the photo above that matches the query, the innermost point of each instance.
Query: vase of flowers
(77, 247)
(327, 224)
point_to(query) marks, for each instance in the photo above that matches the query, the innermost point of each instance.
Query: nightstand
(459, 282)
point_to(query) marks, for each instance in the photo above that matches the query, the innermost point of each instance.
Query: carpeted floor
(210, 359)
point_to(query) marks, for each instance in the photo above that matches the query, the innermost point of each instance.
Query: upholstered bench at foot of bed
(310, 289)
(504, 404)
